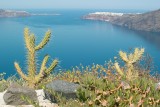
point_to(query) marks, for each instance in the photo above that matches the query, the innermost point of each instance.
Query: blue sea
(74, 41)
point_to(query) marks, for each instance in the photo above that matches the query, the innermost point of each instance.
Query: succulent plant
(33, 78)
(129, 61)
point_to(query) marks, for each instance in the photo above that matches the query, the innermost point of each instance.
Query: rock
(125, 85)
(44, 99)
(48, 105)
(41, 96)
(67, 89)
(3, 104)
(13, 95)
(1, 98)
(131, 105)
(158, 86)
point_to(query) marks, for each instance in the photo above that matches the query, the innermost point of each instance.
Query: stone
(41, 96)
(48, 105)
(67, 89)
(13, 95)
(44, 99)
(158, 86)
(3, 104)
(125, 85)
(1, 98)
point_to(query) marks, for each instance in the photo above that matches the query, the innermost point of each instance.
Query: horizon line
(85, 8)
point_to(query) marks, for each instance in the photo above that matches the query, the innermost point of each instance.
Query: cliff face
(149, 21)
(11, 13)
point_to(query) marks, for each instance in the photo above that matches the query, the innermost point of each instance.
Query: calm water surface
(74, 40)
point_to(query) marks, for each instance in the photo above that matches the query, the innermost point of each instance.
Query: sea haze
(74, 40)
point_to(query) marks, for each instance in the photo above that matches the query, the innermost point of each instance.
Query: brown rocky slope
(149, 21)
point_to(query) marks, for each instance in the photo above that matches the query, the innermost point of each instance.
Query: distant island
(149, 21)
(13, 13)
(45, 14)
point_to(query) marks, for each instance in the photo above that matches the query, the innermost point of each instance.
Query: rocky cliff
(149, 21)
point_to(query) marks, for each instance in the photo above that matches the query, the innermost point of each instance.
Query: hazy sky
(90, 4)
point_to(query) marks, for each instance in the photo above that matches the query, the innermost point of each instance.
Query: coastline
(148, 21)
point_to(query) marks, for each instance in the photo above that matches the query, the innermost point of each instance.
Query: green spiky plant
(108, 90)
(33, 78)
(100, 90)
(129, 60)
